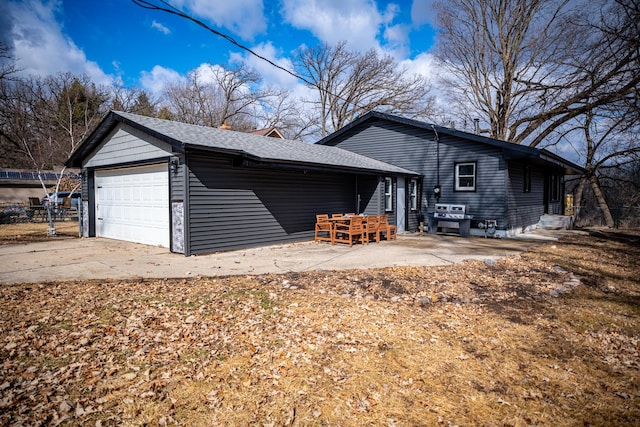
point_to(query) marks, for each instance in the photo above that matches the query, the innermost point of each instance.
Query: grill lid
(450, 211)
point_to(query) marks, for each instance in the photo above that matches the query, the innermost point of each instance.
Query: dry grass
(36, 232)
(471, 344)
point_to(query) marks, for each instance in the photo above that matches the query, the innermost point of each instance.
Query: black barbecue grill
(450, 217)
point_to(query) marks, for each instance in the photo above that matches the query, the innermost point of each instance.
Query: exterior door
(132, 204)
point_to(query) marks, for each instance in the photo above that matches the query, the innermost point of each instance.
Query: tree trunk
(577, 202)
(602, 203)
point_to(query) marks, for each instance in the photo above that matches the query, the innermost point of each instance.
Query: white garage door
(132, 204)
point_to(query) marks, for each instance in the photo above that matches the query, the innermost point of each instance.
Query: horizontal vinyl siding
(177, 182)
(236, 207)
(372, 196)
(127, 145)
(524, 209)
(416, 149)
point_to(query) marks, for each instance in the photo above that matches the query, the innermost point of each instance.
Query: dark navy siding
(234, 207)
(524, 208)
(177, 182)
(416, 149)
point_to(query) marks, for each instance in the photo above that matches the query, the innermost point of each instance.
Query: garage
(197, 189)
(132, 204)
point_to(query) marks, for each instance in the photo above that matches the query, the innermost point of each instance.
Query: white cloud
(357, 21)
(270, 74)
(424, 64)
(155, 80)
(41, 48)
(245, 18)
(207, 73)
(422, 12)
(397, 38)
(158, 26)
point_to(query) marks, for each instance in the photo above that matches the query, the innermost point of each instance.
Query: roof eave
(270, 162)
(569, 167)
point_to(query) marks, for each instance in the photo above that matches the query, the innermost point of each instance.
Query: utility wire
(146, 4)
(174, 11)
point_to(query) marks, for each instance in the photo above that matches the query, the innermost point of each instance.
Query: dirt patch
(548, 338)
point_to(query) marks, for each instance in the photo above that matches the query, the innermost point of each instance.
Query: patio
(96, 258)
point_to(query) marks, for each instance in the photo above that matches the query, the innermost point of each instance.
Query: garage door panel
(133, 204)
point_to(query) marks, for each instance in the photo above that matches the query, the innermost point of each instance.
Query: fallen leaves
(469, 344)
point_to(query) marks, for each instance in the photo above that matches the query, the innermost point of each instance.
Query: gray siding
(178, 183)
(237, 207)
(126, 145)
(374, 189)
(416, 149)
(524, 209)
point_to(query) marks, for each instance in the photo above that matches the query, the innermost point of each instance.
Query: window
(527, 179)
(465, 176)
(413, 195)
(388, 191)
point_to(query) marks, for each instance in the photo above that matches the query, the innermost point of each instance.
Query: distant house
(197, 189)
(270, 132)
(511, 184)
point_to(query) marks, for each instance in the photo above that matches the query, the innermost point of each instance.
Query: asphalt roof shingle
(260, 147)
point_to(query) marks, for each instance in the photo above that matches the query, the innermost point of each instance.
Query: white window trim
(388, 194)
(413, 194)
(458, 176)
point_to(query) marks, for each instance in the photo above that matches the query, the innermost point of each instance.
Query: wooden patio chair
(337, 215)
(324, 229)
(349, 232)
(64, 208)
(386, 228)
(36, 210)
(372, 228)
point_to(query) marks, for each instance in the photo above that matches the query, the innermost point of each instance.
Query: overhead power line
(175, 11)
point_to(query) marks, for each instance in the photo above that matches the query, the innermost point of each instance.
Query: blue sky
(117, 41)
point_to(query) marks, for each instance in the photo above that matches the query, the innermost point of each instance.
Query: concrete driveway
(97, 258)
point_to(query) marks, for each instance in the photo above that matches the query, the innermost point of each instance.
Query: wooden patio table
(346, 221)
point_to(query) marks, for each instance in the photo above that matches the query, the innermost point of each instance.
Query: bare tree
(611, 144)
(530, 67)
(214, 95)
(8, 66)
(133, 100)
(349, 84)
(42, 120)
(77, 105)
(285, 113)
(18, 128)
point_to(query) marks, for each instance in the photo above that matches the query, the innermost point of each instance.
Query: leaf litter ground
(548, 338)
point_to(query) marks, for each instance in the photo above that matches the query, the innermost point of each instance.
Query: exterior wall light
(173, 165)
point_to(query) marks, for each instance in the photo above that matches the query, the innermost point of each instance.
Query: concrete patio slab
(96, 258)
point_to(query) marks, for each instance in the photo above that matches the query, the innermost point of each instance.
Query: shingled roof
(183, 137)
(514, 150)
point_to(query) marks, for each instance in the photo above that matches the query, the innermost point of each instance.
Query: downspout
(187, 211)
(357, 198)
(437, 188)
